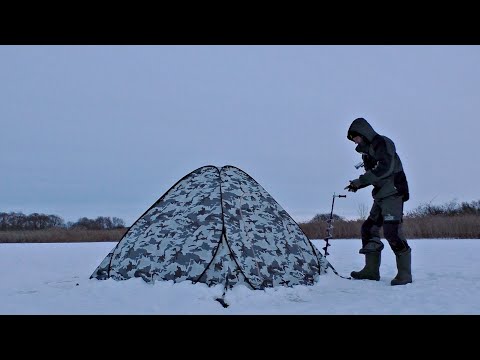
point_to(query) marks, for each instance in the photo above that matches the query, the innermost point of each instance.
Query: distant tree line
(452, 208)
(35, 221)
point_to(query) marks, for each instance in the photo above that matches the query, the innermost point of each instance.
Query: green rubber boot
(404, 267)
(371, 270)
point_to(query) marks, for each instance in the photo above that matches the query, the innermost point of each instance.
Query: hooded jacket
(383, 167)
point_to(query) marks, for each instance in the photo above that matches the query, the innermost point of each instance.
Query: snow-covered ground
(54, 279)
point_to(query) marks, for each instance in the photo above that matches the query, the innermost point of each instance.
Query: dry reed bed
(60, 235)
(432, 227)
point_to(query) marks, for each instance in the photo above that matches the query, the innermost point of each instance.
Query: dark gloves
(353, 186)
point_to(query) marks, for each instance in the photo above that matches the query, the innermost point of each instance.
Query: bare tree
(118, 223)
(362, 211)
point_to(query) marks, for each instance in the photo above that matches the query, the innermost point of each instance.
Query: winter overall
(383, 170)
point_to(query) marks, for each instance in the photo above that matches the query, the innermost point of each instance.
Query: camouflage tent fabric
(215, 226)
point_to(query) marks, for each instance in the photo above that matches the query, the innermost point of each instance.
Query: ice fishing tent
(215, 226)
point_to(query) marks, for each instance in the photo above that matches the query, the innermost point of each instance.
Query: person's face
(358, 139)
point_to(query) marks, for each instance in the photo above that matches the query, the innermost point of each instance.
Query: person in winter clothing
(384, 171)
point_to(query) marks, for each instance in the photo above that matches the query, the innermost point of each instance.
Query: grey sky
(106, 130)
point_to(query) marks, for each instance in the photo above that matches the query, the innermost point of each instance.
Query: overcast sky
(106, 130)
